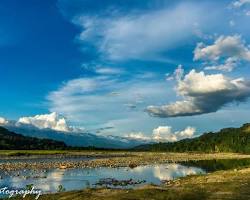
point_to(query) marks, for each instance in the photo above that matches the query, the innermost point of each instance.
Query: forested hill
(226, 140)
(11, 141)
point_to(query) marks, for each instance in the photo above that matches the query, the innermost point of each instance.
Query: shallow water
(123, 177)
(72, 179)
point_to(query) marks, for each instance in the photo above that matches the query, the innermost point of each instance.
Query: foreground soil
(230, 184)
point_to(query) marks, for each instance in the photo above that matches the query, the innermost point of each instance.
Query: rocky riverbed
(128, 159)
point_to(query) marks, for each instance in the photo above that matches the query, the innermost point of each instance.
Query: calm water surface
(80, 178)
(72, 179)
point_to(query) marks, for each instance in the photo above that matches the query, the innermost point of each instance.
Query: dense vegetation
(10, 141)
(227, 140)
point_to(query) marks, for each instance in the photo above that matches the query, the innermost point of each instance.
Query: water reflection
(72, 179)
(174, 171)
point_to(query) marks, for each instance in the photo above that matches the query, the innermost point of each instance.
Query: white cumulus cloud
(203, 93)
(50, 121)
(164, 134)
(3, 121)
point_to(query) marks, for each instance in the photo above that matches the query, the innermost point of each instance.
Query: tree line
(226, 140)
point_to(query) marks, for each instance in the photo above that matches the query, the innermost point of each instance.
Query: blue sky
(131, 65)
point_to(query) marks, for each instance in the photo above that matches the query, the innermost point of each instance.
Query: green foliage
(220, 164)
(235, 140)
(11, 141)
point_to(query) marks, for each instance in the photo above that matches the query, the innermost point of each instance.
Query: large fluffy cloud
(165, 134)
(50, 121)
(203, 94)
(3, 121)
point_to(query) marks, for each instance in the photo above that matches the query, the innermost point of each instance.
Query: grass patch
(31, 152)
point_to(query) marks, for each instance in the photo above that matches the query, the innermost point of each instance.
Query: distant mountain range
(29, 137)
(76, 139)
(226, 140)
(10, 141)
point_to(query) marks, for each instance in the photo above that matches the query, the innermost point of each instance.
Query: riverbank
(229, 184)
(117, 159)
(23, 153)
